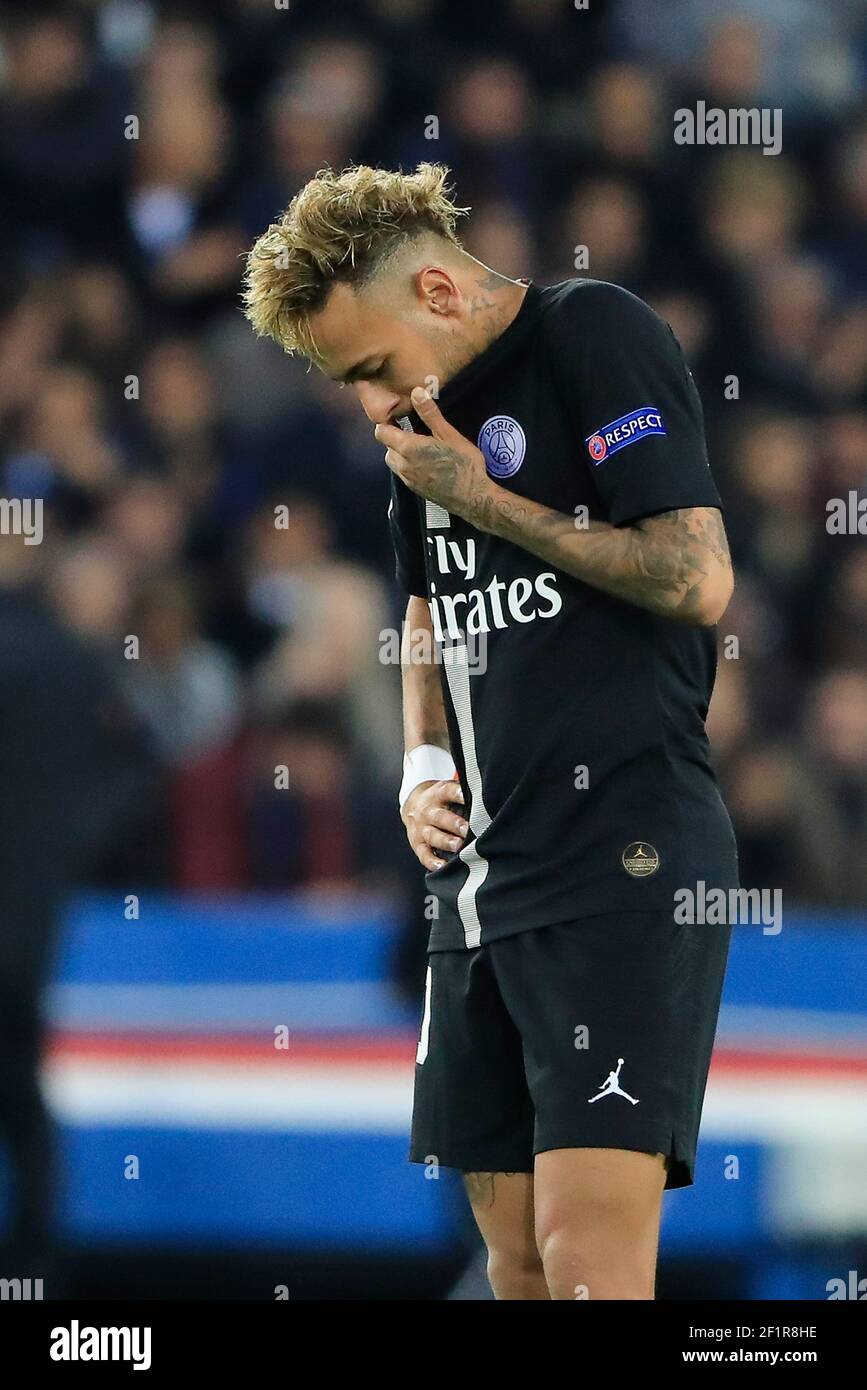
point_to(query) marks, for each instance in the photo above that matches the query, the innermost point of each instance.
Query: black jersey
(576, 720)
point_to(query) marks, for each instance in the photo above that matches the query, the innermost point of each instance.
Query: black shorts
(589, 1034)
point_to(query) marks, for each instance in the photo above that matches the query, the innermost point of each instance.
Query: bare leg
(502, 1204)
(597, 1222)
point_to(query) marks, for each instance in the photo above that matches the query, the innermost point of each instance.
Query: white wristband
(427, 763)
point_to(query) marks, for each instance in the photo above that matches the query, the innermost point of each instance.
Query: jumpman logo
(612, 1087)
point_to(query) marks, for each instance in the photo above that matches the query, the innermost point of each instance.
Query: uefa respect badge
(628, 429)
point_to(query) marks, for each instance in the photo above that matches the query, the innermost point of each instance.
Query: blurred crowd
(215, 511)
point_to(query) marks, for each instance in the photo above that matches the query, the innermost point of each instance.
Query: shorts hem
(681, 1160)
(681, 1167)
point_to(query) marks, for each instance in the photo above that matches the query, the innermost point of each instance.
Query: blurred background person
(77, 777)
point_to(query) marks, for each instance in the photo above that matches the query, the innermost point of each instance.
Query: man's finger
(428, 859)
(427, 409)
(448, 791)
(393, 437)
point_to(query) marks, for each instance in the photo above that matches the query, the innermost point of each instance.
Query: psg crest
(503, 444)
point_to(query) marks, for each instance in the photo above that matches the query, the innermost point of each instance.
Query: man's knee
(593, 1253)
(598, 1240)
(595, 1217)
(516, 1274)
(599, 1266)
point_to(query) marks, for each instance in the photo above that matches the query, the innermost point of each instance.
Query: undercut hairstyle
(339, 227)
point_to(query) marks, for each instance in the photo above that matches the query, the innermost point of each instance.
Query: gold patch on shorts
(640, 859)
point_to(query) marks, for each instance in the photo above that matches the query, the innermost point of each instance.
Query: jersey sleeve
(404, 522)
(637, 411)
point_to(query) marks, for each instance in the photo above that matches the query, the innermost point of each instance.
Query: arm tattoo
(667, 563)
(678, 551)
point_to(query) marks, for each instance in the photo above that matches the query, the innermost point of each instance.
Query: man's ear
(437, 288)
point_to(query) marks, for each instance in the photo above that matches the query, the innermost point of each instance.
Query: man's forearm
(424, 714)
(675, 564)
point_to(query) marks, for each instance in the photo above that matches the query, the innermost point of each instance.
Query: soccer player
(558, 534)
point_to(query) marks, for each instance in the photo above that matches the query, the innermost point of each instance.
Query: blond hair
(338, 227)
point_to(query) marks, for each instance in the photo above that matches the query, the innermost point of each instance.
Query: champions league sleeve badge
(638, 424)
(503, 445)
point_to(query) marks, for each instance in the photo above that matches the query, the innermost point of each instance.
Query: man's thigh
(603, 1206)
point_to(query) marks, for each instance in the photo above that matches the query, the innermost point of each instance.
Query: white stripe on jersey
(457, 672)
(436, 517)
(458, 676)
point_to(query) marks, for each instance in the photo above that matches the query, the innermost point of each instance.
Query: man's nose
(377, 403)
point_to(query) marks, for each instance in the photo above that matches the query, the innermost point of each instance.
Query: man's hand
(445, 468)
(430, 825)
